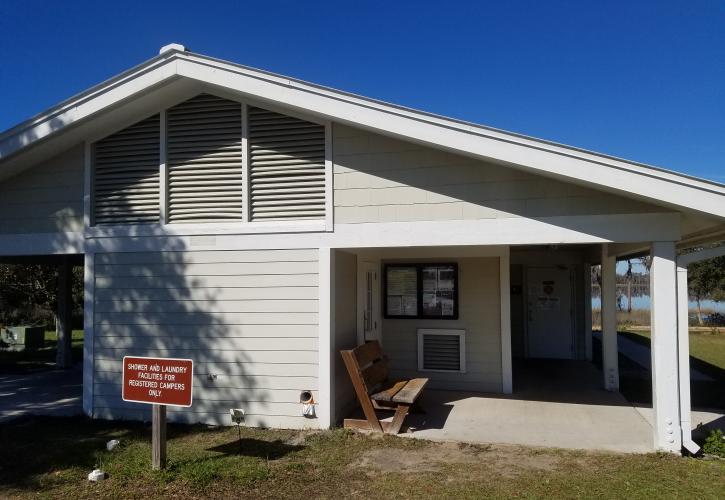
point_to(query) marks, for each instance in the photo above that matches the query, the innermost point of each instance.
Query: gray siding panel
(47, 198)
(262, 347)
(381, 179)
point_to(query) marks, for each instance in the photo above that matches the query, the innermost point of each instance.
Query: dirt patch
(503, 460)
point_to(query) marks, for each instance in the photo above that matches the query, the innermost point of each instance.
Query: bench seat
(402, 391)
(368, 369)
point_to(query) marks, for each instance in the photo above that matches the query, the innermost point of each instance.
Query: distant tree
(706, 280)
(26, 289)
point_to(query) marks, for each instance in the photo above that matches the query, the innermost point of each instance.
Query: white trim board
(537, 156)
(484, 232)
(42, 243)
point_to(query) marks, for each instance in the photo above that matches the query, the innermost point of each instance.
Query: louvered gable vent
(126, 175)
(441, 351)
(287, 167)
(204, 160)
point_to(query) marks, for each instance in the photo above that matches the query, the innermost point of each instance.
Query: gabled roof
(541, 157)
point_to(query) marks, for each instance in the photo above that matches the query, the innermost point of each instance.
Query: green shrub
(715, 444)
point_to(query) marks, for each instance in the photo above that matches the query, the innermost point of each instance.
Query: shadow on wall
(168, 302)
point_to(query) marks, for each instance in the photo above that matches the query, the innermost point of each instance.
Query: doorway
(549, 313)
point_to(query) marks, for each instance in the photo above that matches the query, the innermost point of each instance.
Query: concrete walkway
(51, 392)
(555, 403)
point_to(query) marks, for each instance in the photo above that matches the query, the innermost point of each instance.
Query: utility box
(22, 338)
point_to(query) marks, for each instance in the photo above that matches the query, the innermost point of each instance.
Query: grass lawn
(46, 457)
(40, 358)
(706, 346)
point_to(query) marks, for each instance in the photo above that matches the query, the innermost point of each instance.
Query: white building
(258, 224)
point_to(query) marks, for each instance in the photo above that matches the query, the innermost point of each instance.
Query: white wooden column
(64, 330)
(506, 362)
(683, 348)
(89, 285)
(610, 353)
(325, 405)
(665, 376)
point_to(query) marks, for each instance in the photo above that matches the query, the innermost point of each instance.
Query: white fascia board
(508, 231)
(520, 152)
(97, 99)
(42, 244)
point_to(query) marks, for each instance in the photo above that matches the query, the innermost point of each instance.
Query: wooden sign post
(161, 382)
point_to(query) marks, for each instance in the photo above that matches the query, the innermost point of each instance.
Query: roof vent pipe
(172, 46)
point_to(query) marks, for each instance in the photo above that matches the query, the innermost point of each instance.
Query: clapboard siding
(204, 257)
(479, 315)
(208, 269)
(188, 416)
(47, 198)
(381, 179)
(262, 348)
(200, 353)
(160, 316)
(210, 306)
(249, 345)
(240, 331)
(230, 370)
(202, 282)
(224, 294)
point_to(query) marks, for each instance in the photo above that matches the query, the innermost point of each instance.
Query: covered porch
(519, 382)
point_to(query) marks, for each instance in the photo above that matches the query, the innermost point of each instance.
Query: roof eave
(538, 156)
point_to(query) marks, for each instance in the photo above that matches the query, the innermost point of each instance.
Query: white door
(369, 327)
(549, 312)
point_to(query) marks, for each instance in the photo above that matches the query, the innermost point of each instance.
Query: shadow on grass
(39, 359)
(635, 381)
(33, 446)
(271, 450)
(35, 452)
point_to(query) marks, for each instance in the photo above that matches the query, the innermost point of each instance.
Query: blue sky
(641, 80)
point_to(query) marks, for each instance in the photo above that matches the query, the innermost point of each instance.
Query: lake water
(643, 302)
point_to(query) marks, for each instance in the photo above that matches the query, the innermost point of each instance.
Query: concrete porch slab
(556, 403)
(483, 418)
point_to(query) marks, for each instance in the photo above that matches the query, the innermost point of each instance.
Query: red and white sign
(161, 381)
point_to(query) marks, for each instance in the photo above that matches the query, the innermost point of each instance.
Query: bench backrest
(367, 365)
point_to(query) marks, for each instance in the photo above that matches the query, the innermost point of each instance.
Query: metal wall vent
(287, 167)
(126, 175)
(204, 160)
(441, 350)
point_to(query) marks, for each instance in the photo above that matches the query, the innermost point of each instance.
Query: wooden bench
(368, 369)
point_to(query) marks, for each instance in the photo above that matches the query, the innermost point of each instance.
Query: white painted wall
(47, 198)
(479, 315)
(345, 330)
(248, 317)
(382, 179)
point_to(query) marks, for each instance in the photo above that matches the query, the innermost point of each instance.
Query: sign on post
(161, 382)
